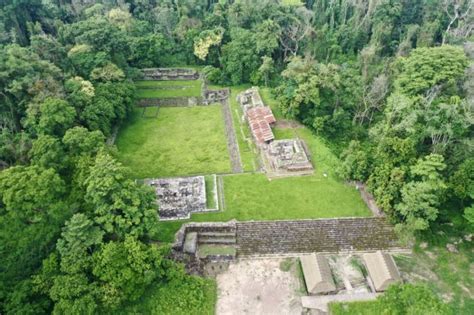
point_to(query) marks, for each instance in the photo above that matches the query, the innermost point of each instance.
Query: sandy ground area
(258, 286)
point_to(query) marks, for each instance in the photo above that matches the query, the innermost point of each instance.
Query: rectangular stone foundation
(287, 157)
(179, 197)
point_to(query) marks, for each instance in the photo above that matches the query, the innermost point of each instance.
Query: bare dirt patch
(287, 124)
(259, 286)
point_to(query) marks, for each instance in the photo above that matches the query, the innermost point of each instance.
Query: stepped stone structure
(193, 236)
(289, 155)
(207, 233)
(308, 236)
(179, 197)
(170, 74)
(294, 236)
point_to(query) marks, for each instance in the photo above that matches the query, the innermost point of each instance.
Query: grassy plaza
(178, 141)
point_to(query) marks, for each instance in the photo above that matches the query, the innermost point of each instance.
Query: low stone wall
(368, 198)
(170, 74)
(171, 102)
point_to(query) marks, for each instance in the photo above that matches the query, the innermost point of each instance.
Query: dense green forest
(389, 83)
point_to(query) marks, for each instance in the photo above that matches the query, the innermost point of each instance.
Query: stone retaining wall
(306, 236)
(170, 74)
(260, 238)
(171, 102)
(210, 97)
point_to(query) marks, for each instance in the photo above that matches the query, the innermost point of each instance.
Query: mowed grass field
(253, 197)
(165, 89)
(179, 141)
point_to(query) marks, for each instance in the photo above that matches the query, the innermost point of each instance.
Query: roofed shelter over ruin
(382, 269)
(260, 117)
(317, 274)
(260, 120)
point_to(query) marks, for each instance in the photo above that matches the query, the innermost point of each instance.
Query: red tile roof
(259, 119)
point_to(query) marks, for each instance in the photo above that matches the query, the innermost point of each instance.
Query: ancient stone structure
(280, 157)
(232, 144)
(207, 233)
(170, 74)
(250, 98)
(309, 236)
(215, 96)
(191, 237)
(287, 156)
(294, 236)
(179, 197)
(172, 102)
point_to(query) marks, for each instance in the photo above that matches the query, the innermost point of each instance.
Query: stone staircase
(217, 238)
(210, 233)
(305, 236)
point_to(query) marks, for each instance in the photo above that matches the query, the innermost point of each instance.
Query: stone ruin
(215, 96)
(250, 98)
(289, 155)
(193, 236)
(179, 197)
(170, 74)
(281, 157)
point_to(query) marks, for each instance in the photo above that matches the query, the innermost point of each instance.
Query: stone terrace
(306, 236)
(288, 155)
(170, 74)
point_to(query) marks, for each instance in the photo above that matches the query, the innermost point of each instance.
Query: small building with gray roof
(382, 269)
(317, 274)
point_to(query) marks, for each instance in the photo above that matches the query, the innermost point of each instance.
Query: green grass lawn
(211, 183)
(450, 275)
(206, 250)
(269, 100)
(164, 89)
(356, 308)
(254, 197)
(179, 141)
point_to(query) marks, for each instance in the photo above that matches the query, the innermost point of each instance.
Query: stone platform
(178, 197)
(308, 236)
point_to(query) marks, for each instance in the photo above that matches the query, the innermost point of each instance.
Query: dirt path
(232, 144)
